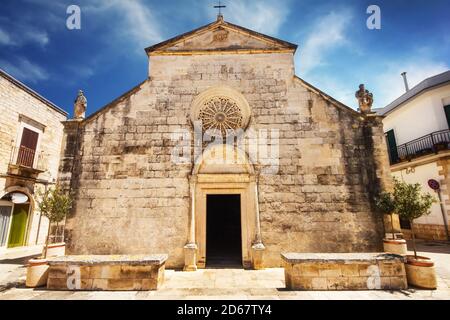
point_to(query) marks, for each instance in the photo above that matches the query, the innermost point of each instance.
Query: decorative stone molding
(221, 109)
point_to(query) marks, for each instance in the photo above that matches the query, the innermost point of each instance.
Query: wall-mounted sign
(433, 184)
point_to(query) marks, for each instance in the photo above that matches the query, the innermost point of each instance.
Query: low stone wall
(344, 271)
(108, 273)
(427, 232)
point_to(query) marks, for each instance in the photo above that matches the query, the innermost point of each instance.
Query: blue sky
(336, 52)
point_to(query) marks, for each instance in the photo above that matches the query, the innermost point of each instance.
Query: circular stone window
(221, 111)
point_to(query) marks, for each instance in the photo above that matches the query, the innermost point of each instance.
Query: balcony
(26, 162)
(426, 145)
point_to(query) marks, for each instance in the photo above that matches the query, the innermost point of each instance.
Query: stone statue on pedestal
(80, 106)
(365, 99)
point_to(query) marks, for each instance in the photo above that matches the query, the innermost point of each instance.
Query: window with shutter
(447, 114)
(27, 149)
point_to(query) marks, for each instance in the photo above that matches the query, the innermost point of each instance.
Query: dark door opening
(223, 231)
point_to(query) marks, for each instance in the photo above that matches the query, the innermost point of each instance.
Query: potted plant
(386, 206)
(411, 204)
(55, 205)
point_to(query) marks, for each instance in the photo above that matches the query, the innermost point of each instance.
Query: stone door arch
(223, 169)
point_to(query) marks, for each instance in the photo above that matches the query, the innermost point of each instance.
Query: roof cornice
(328, 98)
(30, 91)
(159, 49)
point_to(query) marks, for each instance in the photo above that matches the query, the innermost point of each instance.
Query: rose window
(220, 114)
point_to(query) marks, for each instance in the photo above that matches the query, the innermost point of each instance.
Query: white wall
(420, 116)
(422, 174)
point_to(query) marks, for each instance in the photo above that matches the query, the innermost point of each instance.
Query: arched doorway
(223, 183)
(15, 208)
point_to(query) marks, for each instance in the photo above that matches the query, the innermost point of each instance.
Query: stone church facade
(133, 198)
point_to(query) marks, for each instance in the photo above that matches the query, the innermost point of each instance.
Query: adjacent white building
(418, 136)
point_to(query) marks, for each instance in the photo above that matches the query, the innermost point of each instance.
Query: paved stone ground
(12, 265)
(236, 284)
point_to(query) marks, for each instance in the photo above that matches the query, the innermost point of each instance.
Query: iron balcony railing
(27, 158)
(429, 144)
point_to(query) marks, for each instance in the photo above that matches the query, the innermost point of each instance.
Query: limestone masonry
(131, 198)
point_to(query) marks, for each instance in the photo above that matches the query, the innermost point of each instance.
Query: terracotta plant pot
(37, 273)
(56, 250)
(420, 272)
(397, 246)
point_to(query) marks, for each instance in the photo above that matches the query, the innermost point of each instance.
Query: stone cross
(365, 99)
(80, 106)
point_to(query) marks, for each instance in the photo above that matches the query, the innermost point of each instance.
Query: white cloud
(139, 24)
(24, 70)
(5, 39)
(263, 16)
(327, 34)
(389, 83)
(23, 35)
(38, 37)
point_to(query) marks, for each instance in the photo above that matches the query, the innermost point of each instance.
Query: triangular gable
(327, 97)
(221, 36)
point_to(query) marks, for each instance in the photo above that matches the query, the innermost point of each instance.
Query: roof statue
(80, 106)
(365, 99)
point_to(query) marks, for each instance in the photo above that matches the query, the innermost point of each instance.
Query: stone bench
(109, 273)
(344, 271)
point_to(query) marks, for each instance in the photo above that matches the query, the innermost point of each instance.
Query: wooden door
(18, 225)
(27, 149)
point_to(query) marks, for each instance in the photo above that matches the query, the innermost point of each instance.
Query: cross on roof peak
(220, 6)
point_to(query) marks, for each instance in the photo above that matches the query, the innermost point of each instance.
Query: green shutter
(447, 114)
(18, 225)
(392, 146)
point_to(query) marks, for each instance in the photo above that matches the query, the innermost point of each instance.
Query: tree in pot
(55, 205)
(411, 204)
(386, 206)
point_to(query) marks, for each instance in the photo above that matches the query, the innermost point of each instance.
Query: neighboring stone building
(418, 135)
(31, 132)
(315, 195)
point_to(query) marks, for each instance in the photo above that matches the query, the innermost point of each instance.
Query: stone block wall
(131, 198)
(427, 232)
(105, 273)
(16, 106)
(346, 272)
